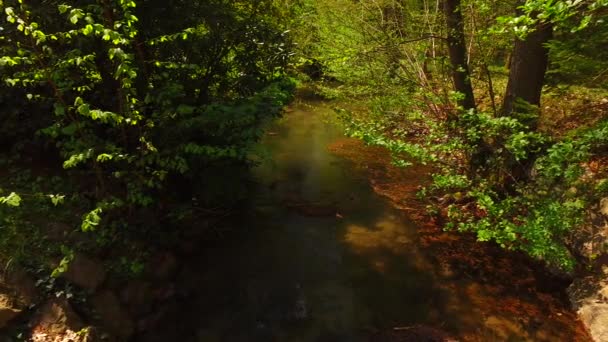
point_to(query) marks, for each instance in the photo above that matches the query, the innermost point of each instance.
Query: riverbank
(513, 291)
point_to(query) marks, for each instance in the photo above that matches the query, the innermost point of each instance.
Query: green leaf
(84, 109)
(91, 220)
(63, 264)
(87, 30)
(12, 200)
(63, 8)
(57, 199)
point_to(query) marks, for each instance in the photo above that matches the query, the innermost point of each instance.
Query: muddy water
(321, 257)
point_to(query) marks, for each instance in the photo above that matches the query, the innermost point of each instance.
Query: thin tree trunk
(458, 53)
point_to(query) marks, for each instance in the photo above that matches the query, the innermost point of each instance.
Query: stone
(8, 309)
(589, 297)
(604, 206)
(590, 240)
(113, 317)
(603, 293)
(85, 272)
(20, 285)
(69, 336)
(595, 318)
(17, 292)
(56, 317)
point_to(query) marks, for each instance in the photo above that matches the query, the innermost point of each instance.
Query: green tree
(513, 181)
(140, 98)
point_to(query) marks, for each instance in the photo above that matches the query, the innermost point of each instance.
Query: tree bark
(458, 53)
(528, 66)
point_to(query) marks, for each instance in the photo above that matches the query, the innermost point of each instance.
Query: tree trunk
(527, 71)
(458, 53)
(529, 61)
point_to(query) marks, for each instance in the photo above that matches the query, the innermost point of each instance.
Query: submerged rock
(313, 209)
(299, 311)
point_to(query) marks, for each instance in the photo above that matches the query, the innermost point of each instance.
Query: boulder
(113, 317)
(22, 285)
(8, 309)
(56, 318)
(17, 292)
(595, 318)
(589, 297)
(85, 272)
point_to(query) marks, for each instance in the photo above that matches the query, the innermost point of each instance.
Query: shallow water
(322, 257)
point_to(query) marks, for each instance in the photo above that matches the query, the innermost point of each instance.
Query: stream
(320, 256)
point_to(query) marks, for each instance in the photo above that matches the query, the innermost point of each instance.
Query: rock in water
(300, 309)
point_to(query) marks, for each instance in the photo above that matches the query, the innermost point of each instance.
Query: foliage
(536, 216)
(134, 100)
